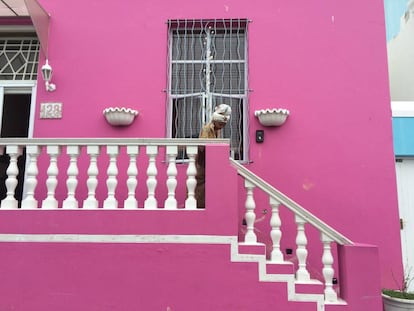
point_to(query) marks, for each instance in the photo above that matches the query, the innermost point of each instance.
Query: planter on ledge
(272, 117)
(120, 116)
(397, 304)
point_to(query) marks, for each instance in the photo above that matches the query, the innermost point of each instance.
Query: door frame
(404, 168)
(19, 87)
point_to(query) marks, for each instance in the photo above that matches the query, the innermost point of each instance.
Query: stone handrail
(302, 217)
(291, 205)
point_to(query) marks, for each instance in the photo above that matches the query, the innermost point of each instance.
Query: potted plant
(399, 299)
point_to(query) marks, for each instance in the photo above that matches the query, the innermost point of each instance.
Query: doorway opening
(15, 108)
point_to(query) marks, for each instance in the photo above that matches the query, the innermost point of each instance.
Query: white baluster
(191, 202)
(171, 202)
(50, 202)
(275, 233)
(250, 216)
(151, 201)
(91, 202)
(9, 202)
(29, 201)
(131, 202)
(111, 182)
(72, 182)
(302, 273)
(328, 271)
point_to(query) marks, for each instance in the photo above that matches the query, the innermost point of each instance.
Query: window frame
(190, 27)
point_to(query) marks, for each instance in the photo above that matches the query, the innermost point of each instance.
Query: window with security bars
(19, 58)
(208, 67)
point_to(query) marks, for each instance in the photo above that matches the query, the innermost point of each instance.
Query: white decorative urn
(120, 116)
(272, 117)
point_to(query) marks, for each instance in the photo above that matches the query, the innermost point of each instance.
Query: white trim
(402, 108)
(16, 87)
(289, 279)
(1, 105)
(32, 112)
(109, 238)
(17, 83)
(20, 87)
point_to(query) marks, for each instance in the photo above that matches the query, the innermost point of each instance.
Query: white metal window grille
(19, 58)
(208, 67)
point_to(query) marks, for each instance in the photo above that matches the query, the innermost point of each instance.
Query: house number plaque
(50, 110)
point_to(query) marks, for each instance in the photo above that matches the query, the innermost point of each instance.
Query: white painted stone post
(9, 202)
(30, 202)
(171, 202)
(132, 182)
(72, 182)
(275, 233)
(91, 202)
(151, 201)
(51, 183)
(250, 215)
(302, 273)
(191, 202)
(328, 271)
(111, 182)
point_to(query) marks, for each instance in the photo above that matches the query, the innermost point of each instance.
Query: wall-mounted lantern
(47, 77)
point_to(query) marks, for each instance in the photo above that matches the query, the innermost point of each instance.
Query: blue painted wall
(403, 131)
(394, 9)
(403, 127)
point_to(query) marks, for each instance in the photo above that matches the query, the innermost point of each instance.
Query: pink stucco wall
(107, 277)
(323, 60)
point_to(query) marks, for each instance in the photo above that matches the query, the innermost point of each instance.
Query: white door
(405, 187)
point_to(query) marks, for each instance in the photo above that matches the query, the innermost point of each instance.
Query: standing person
(212, 129)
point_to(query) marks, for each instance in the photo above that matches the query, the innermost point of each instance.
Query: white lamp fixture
(47, 77)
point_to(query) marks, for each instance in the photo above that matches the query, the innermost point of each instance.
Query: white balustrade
(111, 182)
(151, 201)
(302, 273)
(91, 202)
(328, 271)
(9, 202)
(131, 202)
(191, 202)
(73, 180)
(52, 172)
(171, 201)
(70, 202)
(302, 217)
(30, 202)
(275, 233)
(250, 216)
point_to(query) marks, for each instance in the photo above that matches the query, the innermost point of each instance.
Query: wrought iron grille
(19, 58)
(207, 67)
